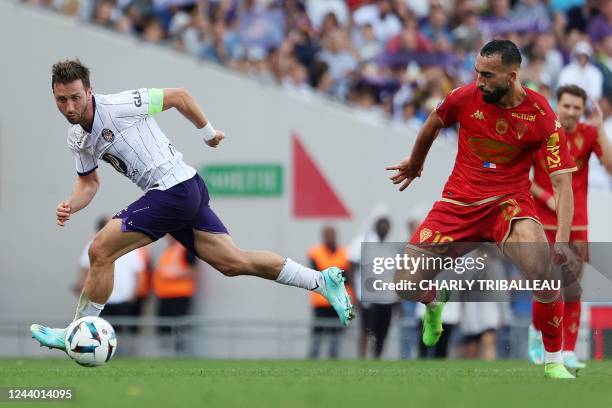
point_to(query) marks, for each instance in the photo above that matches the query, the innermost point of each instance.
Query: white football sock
(87, 308)
(294, 274)
(568, 354)
(553, 357)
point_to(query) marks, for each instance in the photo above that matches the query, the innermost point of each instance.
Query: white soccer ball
(91, 341)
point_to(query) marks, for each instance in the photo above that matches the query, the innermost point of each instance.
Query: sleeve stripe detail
(156, 100)
(570, 170)
(87, 172)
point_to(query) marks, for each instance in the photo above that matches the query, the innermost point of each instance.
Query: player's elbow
(175, 98)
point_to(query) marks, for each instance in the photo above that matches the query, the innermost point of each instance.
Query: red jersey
(497, 146)
(581, 143)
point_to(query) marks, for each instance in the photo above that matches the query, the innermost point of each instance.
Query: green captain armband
(156, 100)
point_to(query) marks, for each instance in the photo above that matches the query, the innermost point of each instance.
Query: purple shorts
(175, 211)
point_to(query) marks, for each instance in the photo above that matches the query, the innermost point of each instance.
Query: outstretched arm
(85, 188)
(182, 100)
(411, 167)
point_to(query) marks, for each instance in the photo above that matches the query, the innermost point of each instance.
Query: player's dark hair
(572, 90)
(67, 71)
(510, 54)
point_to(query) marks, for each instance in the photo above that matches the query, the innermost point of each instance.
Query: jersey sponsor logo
(501, 126)
(492, 150)
(552, 147)
(108, 135)
(116, 162)
(81, 137)
(524, 116)
(478, 115)
(137, 98)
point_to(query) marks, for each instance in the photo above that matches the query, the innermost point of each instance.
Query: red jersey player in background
(582, 141)
(486, 198)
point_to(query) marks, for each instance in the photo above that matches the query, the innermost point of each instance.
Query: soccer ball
(90, 341)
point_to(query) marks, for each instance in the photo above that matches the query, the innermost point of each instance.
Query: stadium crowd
(394, 59)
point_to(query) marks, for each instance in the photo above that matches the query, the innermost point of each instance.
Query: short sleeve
(135, 103)
(84, 159)
(556, 152)
(450, 107)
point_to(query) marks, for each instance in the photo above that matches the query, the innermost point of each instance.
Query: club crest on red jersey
(501, 126)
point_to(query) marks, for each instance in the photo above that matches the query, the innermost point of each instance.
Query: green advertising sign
(243, 180)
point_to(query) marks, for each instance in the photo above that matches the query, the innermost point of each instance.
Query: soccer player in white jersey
(120, 129)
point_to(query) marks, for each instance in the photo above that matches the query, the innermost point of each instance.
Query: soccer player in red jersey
(582, 141)
(486, 198)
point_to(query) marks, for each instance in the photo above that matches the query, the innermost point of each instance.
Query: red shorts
(579, 242)
(489, 222)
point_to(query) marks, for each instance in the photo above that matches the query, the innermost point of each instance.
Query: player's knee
(98, 255)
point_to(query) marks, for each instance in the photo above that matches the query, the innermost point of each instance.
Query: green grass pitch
(211, 383)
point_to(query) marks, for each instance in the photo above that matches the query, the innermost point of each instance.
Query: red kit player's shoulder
(547, 118)
(587, 129)
(465, 91)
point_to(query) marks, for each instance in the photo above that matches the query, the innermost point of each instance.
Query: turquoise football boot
(336, 294)
(48, 337)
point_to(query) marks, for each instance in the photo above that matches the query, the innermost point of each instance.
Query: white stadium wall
(38, 259)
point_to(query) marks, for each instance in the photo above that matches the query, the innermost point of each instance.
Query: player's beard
(568, 124)
(495, 95)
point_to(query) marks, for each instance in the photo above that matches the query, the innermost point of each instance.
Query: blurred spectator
(174, 286)
(323, 256)
(380, 16)
(380, 54)
(368, 47)
(153, 31)
(318, 10)
(582, 72)
(375, 317)
(601, 25)
(451, 315)
(340, 59)
(478, 327)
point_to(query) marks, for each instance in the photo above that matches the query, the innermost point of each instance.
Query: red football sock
(571, 324)
(548, 318)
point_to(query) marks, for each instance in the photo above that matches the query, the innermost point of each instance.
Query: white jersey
(125, 135)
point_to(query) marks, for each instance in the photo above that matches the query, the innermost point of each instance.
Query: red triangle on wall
(312, 194)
